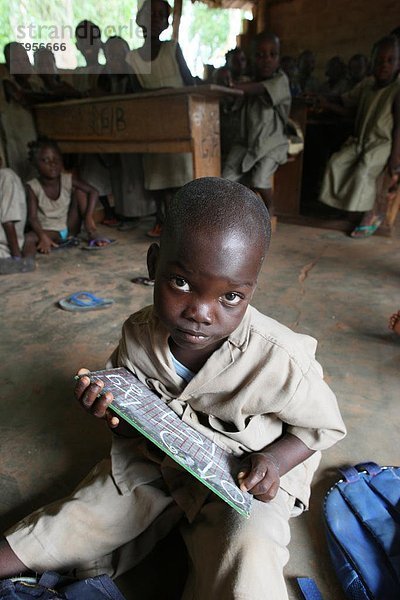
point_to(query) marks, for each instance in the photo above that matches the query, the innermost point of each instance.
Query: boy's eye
(180, 284)
(232, 298)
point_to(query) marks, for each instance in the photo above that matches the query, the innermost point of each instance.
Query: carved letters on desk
(108, 119)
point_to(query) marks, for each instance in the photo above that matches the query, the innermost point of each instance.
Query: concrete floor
(318, 282)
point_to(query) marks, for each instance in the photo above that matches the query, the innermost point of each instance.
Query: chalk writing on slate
(152, 417)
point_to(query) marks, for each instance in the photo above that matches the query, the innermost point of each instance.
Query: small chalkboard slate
(152, 417)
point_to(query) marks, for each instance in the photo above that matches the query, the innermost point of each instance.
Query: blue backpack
(362, 517)
(53, 586)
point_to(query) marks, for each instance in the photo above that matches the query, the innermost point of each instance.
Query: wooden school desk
(168, 120)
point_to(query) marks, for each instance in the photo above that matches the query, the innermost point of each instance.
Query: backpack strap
(387, 485)
(50, 579)
(309, 588)
(370, 508)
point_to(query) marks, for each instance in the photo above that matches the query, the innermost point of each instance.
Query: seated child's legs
(234, 557)
(82, 531)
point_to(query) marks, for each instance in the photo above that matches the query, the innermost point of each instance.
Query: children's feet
(394, 322)
(155, 232)
(368, 227)
(10, 265)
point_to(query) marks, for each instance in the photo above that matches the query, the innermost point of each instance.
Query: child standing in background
(159, 64)
(57, 201)
(263, 145)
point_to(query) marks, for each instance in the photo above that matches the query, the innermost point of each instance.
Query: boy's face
(266, 58)
(386, 64)
(203, 285)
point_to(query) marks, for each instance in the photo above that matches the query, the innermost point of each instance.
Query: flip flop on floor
(92, 244)
(364, 231)
(83, 301)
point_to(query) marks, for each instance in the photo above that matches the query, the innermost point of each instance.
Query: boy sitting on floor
(16, 254)
(237, 376)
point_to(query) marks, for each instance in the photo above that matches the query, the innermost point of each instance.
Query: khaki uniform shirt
(263, 381)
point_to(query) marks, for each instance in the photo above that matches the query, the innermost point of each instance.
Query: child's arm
(90, 398)
(44, 244)
(12, 239)
(394, 159)
(92, 196)
(250, 88)
(262, 470)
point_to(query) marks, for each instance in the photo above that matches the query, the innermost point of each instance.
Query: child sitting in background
(57, 201)
(238, 377)
(16, 255)
(367, 168)
(263, 144)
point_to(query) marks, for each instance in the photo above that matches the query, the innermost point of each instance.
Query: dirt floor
(318, 282)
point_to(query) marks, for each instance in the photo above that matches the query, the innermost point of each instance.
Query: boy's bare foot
(394, 322)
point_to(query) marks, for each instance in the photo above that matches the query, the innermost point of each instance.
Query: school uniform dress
(162, 171)
(263, 380)
(53, 214)
(263, 144)
(351, 174)
(12, 208)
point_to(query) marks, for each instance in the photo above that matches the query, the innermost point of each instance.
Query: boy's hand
(90, 398)
(259, 476)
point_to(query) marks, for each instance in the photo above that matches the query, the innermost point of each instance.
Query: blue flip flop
(92, 244)
(83, 301)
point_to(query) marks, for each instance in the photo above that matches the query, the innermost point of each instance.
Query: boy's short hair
(216, 204)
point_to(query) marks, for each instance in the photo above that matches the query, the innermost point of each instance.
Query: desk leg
(206, 149)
